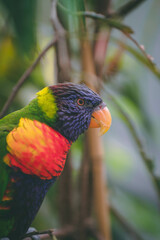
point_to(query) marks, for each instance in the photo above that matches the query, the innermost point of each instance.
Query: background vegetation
(112, 46)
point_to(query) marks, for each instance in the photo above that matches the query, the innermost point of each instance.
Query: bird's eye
(80, 102)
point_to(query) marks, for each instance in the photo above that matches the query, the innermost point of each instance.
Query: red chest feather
(36, 149)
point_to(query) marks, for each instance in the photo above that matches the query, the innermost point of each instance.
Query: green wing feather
(5, 224)
(7, 124)
(34, 112)
(31, 111)
(4, 169)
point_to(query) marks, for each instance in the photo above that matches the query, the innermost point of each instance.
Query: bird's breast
(36, 149)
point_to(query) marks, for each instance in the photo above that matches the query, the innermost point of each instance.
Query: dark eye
(80, 102)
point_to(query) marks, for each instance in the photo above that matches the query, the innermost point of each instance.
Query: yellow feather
(46, 102)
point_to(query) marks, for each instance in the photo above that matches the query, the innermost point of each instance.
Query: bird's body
(29, 192)
(34, 143)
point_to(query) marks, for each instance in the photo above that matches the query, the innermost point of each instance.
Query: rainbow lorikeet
(34, 142)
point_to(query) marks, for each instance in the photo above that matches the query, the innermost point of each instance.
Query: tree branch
(62, 54)
(47, 235)
(88, 226)
(141, 48)
(69, 231)
(24, 77)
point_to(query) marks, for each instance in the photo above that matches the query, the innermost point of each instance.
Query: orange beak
(101, 118)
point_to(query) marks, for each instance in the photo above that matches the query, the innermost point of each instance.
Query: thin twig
(113, 66)
(54, 19)
(47, 235)
(88, 226)
(66, 231)
(69, 231)
(62, 54)
(25, 76)
(141, 47)
(100, 49)
(140, 56)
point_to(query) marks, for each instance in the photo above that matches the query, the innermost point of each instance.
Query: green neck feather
(43, 109)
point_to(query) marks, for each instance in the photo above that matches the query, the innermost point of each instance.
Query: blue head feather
(73, 119)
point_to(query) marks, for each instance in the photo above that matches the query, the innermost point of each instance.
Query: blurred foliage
(17, 46)
(71, 21)
(134, 81)
(21, 16)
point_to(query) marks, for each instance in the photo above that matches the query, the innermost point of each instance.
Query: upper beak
(101, 118)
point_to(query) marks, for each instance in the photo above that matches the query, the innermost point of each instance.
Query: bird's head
(76, 108)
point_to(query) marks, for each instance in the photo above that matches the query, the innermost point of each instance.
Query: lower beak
(101, 118)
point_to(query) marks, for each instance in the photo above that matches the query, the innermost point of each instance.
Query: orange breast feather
(36, 149)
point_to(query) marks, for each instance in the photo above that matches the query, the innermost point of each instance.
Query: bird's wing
(4, 169)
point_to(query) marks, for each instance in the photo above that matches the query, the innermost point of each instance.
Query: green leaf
(68, 12)
(72, 13)
(22, 14)
(143, 60)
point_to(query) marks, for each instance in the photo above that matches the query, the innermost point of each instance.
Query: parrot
(34, 142)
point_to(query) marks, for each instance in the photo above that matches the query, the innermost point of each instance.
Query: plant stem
(95, 150)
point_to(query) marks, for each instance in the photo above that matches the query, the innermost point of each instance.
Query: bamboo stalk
(85, 199)
(95, 150)
(66, 194)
